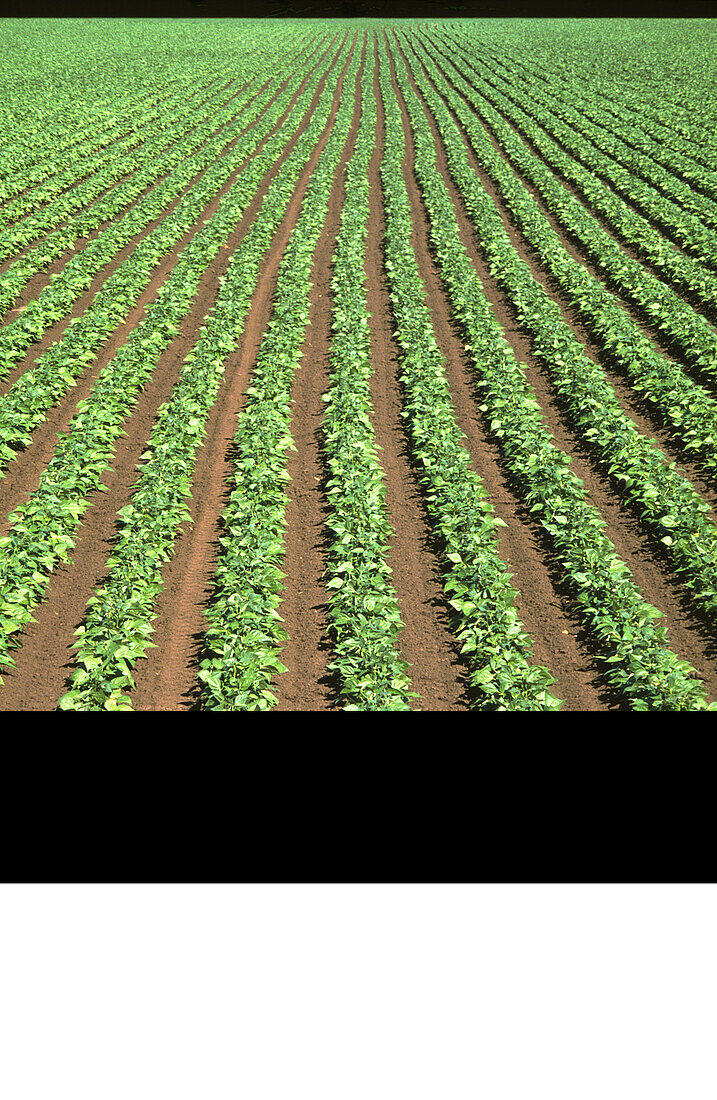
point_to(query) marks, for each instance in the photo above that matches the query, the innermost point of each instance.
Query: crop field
(358, 364)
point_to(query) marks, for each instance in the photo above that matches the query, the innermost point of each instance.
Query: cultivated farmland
(357, 364)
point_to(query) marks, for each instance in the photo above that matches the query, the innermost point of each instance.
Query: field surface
(357, 364)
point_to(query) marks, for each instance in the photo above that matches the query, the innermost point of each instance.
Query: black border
(359, 9)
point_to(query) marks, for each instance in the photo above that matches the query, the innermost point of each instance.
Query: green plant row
(615, 150)
(633, 648)
(39, 179)
(244, 636)
(166, 126)
(666, 502)
(194, 148)
(189, 146)
(687, 407)
(679, 224)
(25, 404)
(672, 123)
(685, 134)
(364, 615)
(143, 201)
(486, 624)
(95, 118)
(35, 225)
(558, 89)
(562, 90)
(98, 172)
(623, 82)
(43, 529)
(671, 133)
(22, 165)
(669, 312)
(47, 101)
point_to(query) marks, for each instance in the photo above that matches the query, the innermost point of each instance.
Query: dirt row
(660, 339)
(167, 679)
(42, 278)
(45, 658)
(646, 416)
(688, 633)
(181, 622)
(140, 139)
(30, 462)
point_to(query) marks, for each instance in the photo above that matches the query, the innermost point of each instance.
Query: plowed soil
(166, 680)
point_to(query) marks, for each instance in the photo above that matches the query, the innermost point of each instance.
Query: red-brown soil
(33, 460)
(166, 680)
(661, 341)
(687, 632)
(426, 643)
(31, 684)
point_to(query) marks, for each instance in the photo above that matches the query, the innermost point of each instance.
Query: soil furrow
(307, 685)
(26, 469)
(646, 416)
(167, 679)
(44, 660)
(543, 604)
(426, 642)
(688, 632)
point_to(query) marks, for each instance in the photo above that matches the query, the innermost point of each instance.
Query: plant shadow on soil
(602, 356)
(664, 342)
(430, 540)
(705, 626)
(614, 370)
(199, 653)
(608, 696)
(192, 696)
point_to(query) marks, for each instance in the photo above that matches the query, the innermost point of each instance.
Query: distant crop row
(143, 205)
